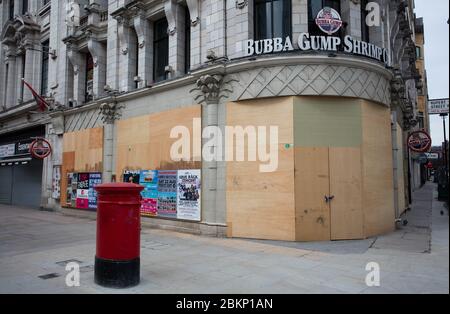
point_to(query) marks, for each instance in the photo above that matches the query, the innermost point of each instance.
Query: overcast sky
(435, 15)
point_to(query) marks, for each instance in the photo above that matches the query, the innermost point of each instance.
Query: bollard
(117, 260)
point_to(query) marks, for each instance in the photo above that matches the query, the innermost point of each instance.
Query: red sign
(419, 141)
(40, 148)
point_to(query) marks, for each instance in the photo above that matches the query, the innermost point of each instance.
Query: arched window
(314, 7)
(272, 19)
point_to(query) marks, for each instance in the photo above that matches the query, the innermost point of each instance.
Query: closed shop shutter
(6, 184)
(27, 183)
(21, 184)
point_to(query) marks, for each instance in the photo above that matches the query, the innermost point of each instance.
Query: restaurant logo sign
(419, 142)
(329, 21)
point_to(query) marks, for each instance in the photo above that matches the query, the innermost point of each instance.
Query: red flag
(43, 105)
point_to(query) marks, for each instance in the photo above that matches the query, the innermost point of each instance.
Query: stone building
(120, 75)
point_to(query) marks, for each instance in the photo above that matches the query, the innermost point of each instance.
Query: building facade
(122, 76)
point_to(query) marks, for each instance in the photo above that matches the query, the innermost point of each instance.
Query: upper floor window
(160, 50)
(314, 7)
(187, 41)
(418, 52)
(11, 9)
(44, 72)
(272, 19)
(364, 26)
(89, 88)
(24, 6)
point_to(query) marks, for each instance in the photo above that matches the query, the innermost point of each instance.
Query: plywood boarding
(378, 197)
(261, 205)
(327, 122)
(82, 152)
(144, 142)
(312, 183)
(346, 187)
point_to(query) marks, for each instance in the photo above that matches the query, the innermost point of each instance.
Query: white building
(120, 74)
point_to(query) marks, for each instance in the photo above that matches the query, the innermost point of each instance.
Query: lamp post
(444, 115)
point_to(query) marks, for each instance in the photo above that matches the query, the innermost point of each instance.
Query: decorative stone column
(33, 60)
(144, 31)
(110, 112)
(211, 89)
(10, 58)
(176, 20)
(351, 13)
(98, 52)
(54, 134)
(126, 60)
(79, 74)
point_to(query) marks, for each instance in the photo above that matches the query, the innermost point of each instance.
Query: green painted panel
(327, 121)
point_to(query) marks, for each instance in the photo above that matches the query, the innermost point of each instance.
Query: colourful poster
(94, 180)
(82, 199)
(167, 193)
(131, 176)
(189, 195)
(149, 180)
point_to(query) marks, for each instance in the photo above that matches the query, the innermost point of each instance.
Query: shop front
(334, 176)
(21, 173)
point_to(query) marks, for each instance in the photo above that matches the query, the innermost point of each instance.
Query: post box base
(117, 274)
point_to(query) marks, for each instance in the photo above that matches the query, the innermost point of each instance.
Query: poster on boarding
(189, 195)
(167, 193)
(149, 180)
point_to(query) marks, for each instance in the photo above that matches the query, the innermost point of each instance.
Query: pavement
(35, 247)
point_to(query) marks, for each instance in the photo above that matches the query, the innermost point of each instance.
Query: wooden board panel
(261, 205)
(82, 152)
(346, 187)
(327, 122)
(144, 142)
(312, 183)
(378, 201)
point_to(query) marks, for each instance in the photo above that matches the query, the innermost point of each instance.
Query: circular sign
(328, 20)
(419, 141)
(40, 148)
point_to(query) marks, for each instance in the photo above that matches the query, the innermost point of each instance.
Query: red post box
(117, 260)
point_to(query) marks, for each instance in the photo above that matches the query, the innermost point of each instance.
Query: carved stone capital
(211, 88)
(110, 112)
